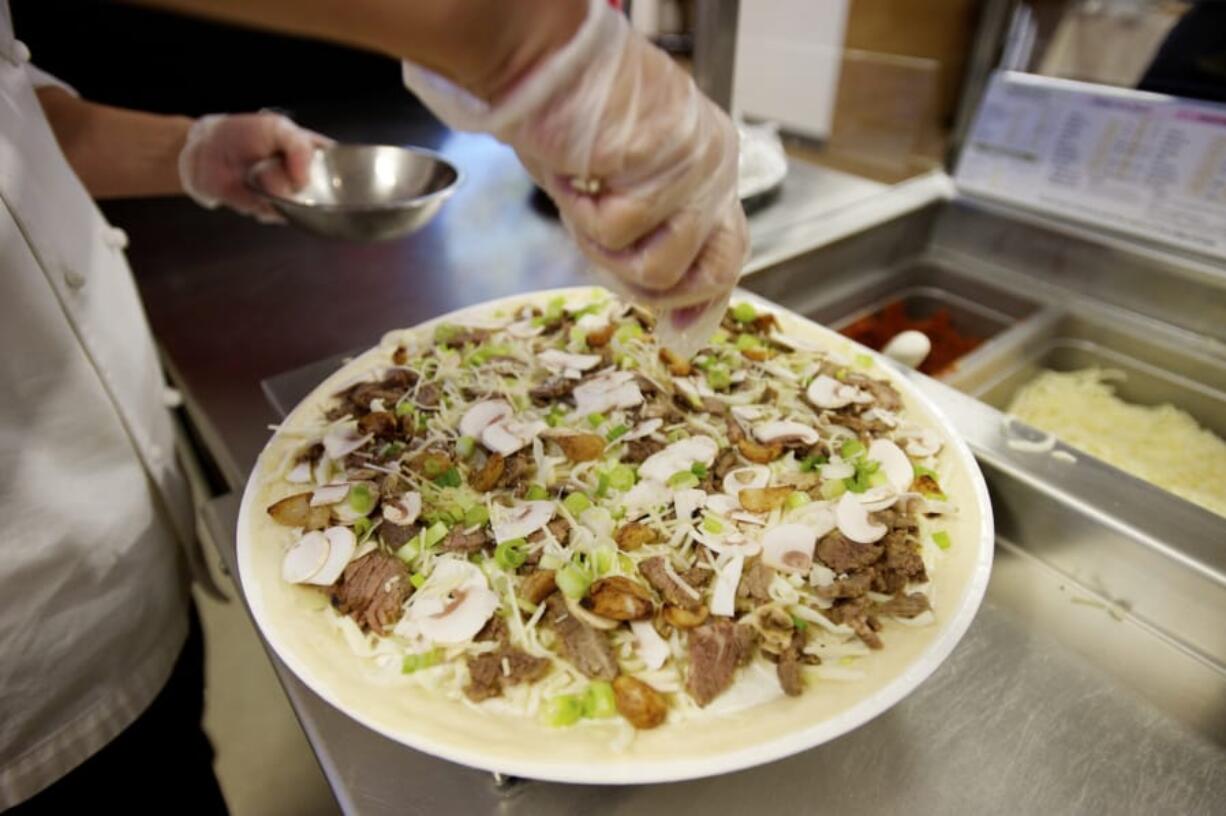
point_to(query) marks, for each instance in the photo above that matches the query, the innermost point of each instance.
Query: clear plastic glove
(221, 149)
(642, 166)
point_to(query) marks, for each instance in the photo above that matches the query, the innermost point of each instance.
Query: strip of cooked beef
(714, 654)
(905, 606)
(559, 527)
(855, 614)
(463, 337)
(726, 463)
(491, 673)
(428, 395)
(401, 378)
(395, 536)
(746, 641)
(789, 667)
(373, 590)
(852, 586)
(517, 469)
(884, 394)
(392, 486)
(587, 648)
(459, 541)
(902, 555)
(675, 593)
(897, 519)
(552, 390)
(383, 424)
(755, 582)
(638, 450)
(714, 407)
(698, 576)
(841, 554)
(537, 586)
(495, 629)
(487, 476)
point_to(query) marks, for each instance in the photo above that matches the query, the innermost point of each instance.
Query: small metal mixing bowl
(364, 192)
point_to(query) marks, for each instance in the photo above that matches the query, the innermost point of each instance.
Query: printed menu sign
(1141, 163)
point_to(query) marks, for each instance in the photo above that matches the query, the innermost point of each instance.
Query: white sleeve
(41, 79)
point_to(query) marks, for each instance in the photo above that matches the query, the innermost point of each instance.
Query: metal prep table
(1093, 679)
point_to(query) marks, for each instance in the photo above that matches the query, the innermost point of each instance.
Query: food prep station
(1093, 678)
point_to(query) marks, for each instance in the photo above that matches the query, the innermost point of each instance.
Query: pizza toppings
(545, 503)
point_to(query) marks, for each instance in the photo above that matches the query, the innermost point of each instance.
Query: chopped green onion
(699, 470)
(361, 499)
(405, 409)
(591, 308)
(796, 499)
(682, 479)
(864, 360)
(598, 700)
(833, 488)
(573, 580)
(389, 450)
(432, 467)
(550, 561)
(841, 374)
(510, 554)
(628, 331)
(444, 332)
(618, 513)
(744, 342)
(576, 503)
(554, 308)
(417, 662)
(811, 463)
(602, 485)
(719, 338)
(676, 435)
(410, 550)
(578, 336)
(852, 448)
(602, 559)
(437, 532)
(800, 623)
(877, 479)
(449, 478)
(596, 419)
(417, 579)
(563, 710)
(465, 446)
(477, 514)
(536, 492)
(866, 473)
(744, 312)
(941, 539)
(712, 525)
(621, 478)
(718, 377)
(484, 353)
(555, 416)
(362, 528)
(617, 433)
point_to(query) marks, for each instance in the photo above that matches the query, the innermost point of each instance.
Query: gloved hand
(221, 148)
(642, 166)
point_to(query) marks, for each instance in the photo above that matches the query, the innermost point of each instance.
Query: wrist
(531, 32)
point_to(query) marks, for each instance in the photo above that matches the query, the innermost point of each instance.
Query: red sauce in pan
(948, 344)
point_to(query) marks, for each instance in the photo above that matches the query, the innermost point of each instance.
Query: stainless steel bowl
(363, 192)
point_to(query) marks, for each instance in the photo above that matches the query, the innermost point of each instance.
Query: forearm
(481, 45)
(117, 153)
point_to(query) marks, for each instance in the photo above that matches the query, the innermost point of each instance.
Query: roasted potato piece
(581, 447)
(634, 535)
(759, 454)
(677, 366)
(641, 705)
(486, 479)
(537, 586)
(400, 356)
(296, 511)
(764, 499)
(600, 337)
(379, 423)
(430, 463)
(926, 485)
(685, 618)
(757, 354)
(619, 598)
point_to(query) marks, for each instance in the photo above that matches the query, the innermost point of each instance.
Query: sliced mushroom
(644, 496)
(818, 517)
(723, 596)
(681, 455)
(403, 510)
(524, 329)
(827, 392)
(520, 521)
(748, 413)
(789, 547)
(838, 469)
(879, 498)
(561, 361)
(886, 418)
(341, 545)
(721, 504)
(853, 521)
(606, 392)
(300, 473)
(509, 435)
(484, 414)
(685, 618)
(687, 502)
(342, 440)
(333, 493)
(794, 343)
(920, 442)
(745, 478)
(646, 428)
(689, 390)
(894, 463)
(305, 558)
(454, 603)
(652, 648)
(784, 432)
(734, 543)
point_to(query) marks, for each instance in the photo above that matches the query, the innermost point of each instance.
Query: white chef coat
(93, 584)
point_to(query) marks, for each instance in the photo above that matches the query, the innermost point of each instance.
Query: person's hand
(221, 149)
(642, 166)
